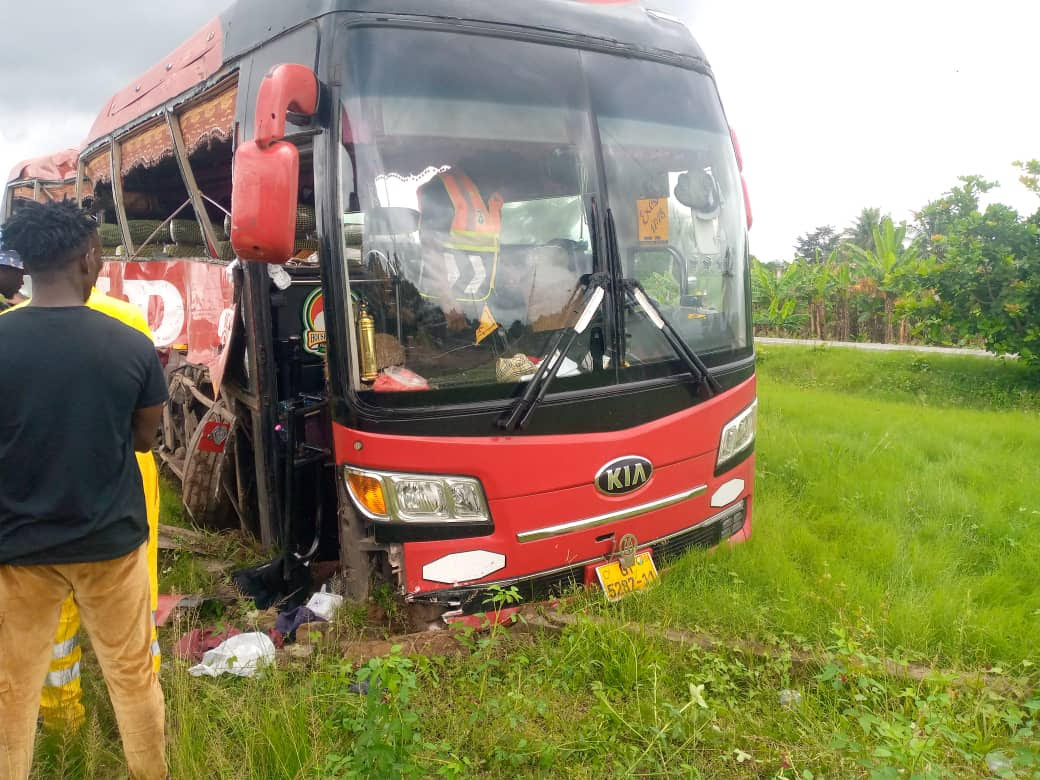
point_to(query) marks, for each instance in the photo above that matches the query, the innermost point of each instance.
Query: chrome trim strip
(610, 517)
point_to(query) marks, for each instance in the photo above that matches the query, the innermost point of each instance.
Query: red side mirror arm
(285, 88)
(265, 184)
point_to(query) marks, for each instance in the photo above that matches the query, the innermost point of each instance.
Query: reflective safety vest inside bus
(471, 248)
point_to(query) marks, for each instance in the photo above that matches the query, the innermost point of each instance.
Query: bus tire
(356, 557)
(209, 468)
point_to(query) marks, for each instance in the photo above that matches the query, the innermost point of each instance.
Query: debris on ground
(172, 537)
(172, 603)
(282, 581)
(998, 763)
(197, 642)
(241, 655)
(289, 621)
(324, 604)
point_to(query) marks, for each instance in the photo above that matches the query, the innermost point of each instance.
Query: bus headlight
(738, 437)
(416, 498)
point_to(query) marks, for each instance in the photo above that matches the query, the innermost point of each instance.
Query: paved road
(878, 347)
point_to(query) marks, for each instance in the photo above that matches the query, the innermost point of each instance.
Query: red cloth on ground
(192, 645)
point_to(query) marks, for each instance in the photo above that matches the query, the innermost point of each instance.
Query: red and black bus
(454, 291)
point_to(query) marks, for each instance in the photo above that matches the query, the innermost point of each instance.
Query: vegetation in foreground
(897, 513)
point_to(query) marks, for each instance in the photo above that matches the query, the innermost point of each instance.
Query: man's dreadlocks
(45, 235)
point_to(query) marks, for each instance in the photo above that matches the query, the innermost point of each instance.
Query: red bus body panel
(188, 304)
(535, 482)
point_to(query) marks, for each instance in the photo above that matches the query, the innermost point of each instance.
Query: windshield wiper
(635, 293)
(617, 276)
(585, 302)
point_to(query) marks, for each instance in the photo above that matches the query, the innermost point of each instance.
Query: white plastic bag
(241, 655)
(279, 276)
(324, 604)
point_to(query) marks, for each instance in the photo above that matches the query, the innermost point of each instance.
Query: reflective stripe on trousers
(63, 677)
(62, 702)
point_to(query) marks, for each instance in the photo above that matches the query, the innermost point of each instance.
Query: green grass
(171, 507)
(917, 379)
(183, 571)
(922, 520)
(897, 515)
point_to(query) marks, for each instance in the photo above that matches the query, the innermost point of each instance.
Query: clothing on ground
(193, 645)
(284, 581)
(288, 622)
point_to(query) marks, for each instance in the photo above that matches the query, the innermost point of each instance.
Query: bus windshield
(468, 167)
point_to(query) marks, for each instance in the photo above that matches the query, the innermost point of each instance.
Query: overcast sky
(837, 105)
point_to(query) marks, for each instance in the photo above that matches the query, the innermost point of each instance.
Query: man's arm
(146, 426)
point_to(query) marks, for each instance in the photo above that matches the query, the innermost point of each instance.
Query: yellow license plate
(618, 582)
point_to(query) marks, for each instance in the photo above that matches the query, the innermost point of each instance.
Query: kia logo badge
(623, 475)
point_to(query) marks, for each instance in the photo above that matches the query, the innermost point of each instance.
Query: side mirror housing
(264, 194)
(266, 175)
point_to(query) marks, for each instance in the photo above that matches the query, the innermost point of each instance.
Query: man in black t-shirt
(87, 392)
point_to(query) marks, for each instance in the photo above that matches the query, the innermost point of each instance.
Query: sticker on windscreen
(653, 219)
(488, 325)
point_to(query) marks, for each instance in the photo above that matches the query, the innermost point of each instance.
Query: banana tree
(824, 282)
(781, 318)
(843, 280)
(776, 295)
(884, 267)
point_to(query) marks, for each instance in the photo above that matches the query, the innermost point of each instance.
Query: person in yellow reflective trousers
(62, 703)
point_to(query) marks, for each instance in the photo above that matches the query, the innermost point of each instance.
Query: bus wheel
(208, 480)
(191, 397)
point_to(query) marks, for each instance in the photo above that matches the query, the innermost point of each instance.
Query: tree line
(960, 273)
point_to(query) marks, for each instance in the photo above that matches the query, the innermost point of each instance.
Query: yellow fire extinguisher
(367, 339)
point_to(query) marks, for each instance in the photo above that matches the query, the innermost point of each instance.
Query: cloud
(40, 133)
(838, 106)
(57, 75)
(842, 106)
(47, 61)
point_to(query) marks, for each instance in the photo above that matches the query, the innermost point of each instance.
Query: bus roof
(52, 167)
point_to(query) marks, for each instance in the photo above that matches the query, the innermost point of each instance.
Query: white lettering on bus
(140, 292)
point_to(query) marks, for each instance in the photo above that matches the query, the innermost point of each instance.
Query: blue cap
(11, 260)
(9, 257)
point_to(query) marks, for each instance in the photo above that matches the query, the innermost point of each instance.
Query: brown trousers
(115, 605)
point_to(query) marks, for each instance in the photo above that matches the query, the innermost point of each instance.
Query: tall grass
(896, 515)
(923, 520)
(918, 379)
(596, 701)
